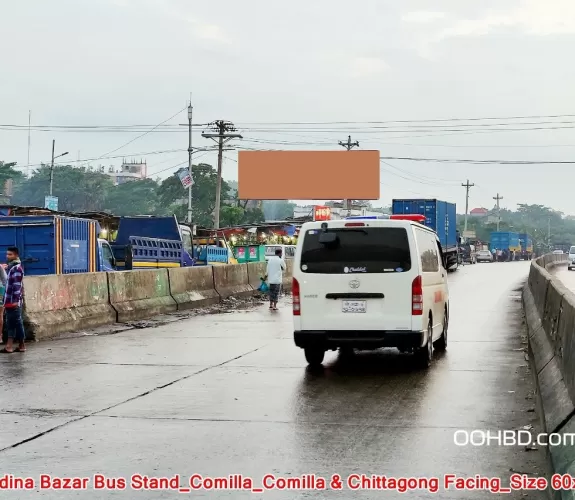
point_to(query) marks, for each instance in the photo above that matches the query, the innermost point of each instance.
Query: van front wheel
(314, 356)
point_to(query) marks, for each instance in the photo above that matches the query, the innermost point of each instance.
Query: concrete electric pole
(349, 146)
(467, 186)
(52, 165)
(190, 112)
(224, 132)
(498, 199)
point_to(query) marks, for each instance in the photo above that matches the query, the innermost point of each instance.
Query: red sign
(321, 212)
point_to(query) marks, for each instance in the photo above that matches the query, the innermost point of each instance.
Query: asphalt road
(567, 277)
(230, 394)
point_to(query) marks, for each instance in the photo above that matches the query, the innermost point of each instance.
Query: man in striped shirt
(13, 302)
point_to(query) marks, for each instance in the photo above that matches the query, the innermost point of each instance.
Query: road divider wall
(137, 295)
(58, 304)
(256, 271)
(193, 287)
(231, 280)
(550, 315)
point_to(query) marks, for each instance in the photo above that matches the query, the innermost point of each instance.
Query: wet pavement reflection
(230, 394)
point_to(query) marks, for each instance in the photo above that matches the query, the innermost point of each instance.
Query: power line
(414, 121)
(142, 135)
(497, 162)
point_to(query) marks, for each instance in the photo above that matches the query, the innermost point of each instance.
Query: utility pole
(28, 172)
(52, 167)
(190, 111)
(467, 186)
(497, 199)
(349, 146)
(224, 132)
(549, 233)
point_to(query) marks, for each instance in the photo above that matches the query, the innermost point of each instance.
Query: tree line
(546, 226)
(81, 189)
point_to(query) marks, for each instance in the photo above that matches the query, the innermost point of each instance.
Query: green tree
(7, 172)
(278, 209)
(231, 216)
(173, 195)
(77, 189)
(138, 197)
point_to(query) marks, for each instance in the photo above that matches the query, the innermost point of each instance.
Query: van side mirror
(326, 238)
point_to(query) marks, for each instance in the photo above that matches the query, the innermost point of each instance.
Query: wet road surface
(230, 393)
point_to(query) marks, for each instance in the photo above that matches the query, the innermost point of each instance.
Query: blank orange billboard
(308, 175)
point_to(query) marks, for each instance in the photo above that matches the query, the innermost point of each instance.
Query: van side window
(428, 251)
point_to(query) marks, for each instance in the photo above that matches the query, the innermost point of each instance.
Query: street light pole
(52, 165)
(190, 111)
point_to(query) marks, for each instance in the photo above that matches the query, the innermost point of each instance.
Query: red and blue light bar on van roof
(412, 217)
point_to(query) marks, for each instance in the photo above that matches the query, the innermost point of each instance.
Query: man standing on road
(276, 267)
(13, 302)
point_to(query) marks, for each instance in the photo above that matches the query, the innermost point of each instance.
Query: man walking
(276, 267)
(13, 302)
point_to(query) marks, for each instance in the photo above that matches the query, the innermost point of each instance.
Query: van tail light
(416, 297)
(296, 297)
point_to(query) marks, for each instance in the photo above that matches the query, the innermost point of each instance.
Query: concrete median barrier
(256, 270)
(538, 282)
(193, 287)
(550, 317)
(231, 280)
(140, 294)
(66, 303)
(566, 341)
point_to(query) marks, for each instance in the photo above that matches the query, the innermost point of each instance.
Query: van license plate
(354, 306)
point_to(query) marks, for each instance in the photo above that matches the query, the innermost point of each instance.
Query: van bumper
(360, 339)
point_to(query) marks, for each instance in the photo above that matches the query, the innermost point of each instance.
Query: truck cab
(106, 259)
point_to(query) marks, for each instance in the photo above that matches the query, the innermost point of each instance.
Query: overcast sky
(261, 64)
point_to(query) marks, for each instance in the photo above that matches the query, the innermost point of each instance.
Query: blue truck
(439, 216)
(507, 241)
(51, 244)
(165, 237)
(526, 243)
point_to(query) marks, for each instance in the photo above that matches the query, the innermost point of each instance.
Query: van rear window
(357, 250)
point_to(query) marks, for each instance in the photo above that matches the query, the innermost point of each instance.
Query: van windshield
(572, 250)
(357, 250)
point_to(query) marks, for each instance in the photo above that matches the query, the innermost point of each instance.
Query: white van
(571, 262)
(288, 251)
(369, 284)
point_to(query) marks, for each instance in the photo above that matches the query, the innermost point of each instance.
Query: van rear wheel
(424, 355)
(314, 355)
(441, 342)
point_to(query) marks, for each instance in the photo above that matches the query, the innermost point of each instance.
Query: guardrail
(550, 316)
(73, 302)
